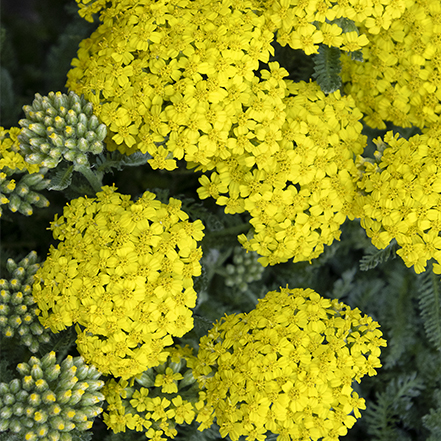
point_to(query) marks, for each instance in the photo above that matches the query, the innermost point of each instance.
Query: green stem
(236, 229)
(94, 179)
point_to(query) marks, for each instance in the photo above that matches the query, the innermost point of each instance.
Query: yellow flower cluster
(123, 272)
(186, 89)
(401, 197)
(300, 24)
(400, 78)
(168, 77)
(287, 367)
(156, 401)
(307, 23)
(90, 7)
(301, 190)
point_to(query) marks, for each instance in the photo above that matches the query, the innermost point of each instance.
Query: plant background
(38, 41)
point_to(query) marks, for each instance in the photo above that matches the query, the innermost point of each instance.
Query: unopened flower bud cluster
(58, 127)
(20, 182)
(50, 400)
(17, 306)
(245, 269)
(158, 400)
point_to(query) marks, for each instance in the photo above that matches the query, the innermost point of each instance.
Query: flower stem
(236, 229)
(94, 179)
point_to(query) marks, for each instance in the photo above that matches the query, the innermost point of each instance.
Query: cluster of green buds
(22, 195)
(51, 400)
(244, 269)
(17, 306)
(157, 400)
(19, 181)
(58, 127)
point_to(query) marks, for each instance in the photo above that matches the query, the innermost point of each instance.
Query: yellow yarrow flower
(401, 197)
(301, 190)
(304, 25)
(203, 103)
(398, 80)
(123, 274)
(286, 367)
(176, 80)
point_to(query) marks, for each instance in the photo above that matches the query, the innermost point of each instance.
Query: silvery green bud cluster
(50, 400)
(244, 269)
(17, 306)
(22, 195)
(58, 127)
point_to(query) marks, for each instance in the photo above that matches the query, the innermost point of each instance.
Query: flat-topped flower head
(301, 189)
(287, 367)
(168, 77)
(401, 197)
(399, 79)
(123, 273)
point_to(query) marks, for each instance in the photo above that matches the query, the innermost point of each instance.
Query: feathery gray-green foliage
(327, 68)
(429, 294)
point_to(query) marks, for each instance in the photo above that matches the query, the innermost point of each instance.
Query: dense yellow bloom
(304, 24)
(191, 94)
(298, 182)
(286, 367)
(123, 273)
(167, 78)
(401, 197)
(399, 79)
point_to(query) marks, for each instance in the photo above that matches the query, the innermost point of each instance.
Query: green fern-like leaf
(374, 257)
(191, 433)
(345, 284)
(202, 325)
(129, 435)
(62, 178)
(327, 68)
(430, 305)
(382, 418)
(432, 422)
(197, 210)
(106, 162)
(402, 324)
(81, 436)
(356, 55)
(60, 55)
